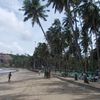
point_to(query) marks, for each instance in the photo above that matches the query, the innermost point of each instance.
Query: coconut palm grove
(71, 44)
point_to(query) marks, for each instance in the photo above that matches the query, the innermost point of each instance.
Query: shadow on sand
(15, 97)
(4, 88)
(61, 87)
(21, 80)
(90, 97)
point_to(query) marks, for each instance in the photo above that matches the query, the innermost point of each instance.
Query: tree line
(21, 61)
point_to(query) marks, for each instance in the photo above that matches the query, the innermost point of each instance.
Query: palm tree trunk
(97, 48)
(42, 29)
(85, 69)
(45, 38)
(48, 44)
(91, 51)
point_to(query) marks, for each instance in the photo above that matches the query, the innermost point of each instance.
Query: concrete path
(26, 85)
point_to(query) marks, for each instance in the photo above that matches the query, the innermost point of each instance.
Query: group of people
(86, 78)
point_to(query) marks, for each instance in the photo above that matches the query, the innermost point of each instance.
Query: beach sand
(28, 85)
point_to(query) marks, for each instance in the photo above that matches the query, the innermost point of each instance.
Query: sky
(16, 36)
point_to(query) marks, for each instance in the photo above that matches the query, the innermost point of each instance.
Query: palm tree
(55, 41)
(85, 41)
(66, 5)
(35, 11)
(69, 23)
(58, 4)
(91, 20)
(61, 5)
(41, 53)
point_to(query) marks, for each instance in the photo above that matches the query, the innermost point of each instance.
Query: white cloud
(27, 35)
(17, 46)
(12, 28)
(13, 47)
(9, 23)
(11, 5)
(4, 45)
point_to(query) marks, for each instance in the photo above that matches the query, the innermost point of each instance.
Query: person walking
(9, 76)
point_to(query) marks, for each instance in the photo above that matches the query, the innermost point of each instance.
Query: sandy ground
(26, 85)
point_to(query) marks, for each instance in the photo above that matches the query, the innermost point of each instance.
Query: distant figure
(85, 78)
(39, 72)
(9, 76)
(76, 77)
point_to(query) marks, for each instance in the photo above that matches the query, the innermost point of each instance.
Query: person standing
(85, 78)
(39, 72)
(76, 77)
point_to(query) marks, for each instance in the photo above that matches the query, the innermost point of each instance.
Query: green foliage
(90, 15)
(41, 55)
(33, 10)
(54, 36)
(21, 61)
(41, 51)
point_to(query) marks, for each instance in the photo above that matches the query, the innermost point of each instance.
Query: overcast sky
(16, 36)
